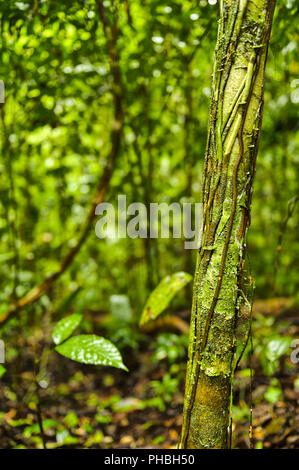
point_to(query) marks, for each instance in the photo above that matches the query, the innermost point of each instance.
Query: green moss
(219, 302)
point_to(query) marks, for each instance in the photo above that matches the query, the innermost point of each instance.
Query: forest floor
(88, 407)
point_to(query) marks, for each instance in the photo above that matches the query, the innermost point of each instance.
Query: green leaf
(2, 370)
(162, 295)
(273, 394)
(66, 327)
(35, 429)
(91, 349)
(277, 347)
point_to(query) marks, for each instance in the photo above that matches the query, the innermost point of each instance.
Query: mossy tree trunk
(220, 310)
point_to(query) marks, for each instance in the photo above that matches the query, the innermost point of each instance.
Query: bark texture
(221, 309)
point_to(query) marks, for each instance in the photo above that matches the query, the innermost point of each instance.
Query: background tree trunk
(220, 307)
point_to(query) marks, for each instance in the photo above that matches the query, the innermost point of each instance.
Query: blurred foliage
(55, 134)
(162, 295)
(270, 343)
(171, 347)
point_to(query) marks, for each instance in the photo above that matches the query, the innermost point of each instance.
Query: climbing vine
(220, 299)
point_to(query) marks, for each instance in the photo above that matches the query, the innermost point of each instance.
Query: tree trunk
(220, 308)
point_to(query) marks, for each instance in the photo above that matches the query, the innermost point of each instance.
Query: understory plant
(85, 349)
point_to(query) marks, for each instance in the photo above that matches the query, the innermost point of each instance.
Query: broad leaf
(277, 347)
(66, 327)
(162, 295)
(91, 349)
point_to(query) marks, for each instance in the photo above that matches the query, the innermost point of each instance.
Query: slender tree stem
(220, 306)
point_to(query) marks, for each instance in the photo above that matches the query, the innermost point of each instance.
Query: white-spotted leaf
(162, 295)
(66, 327)
(91, 349)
